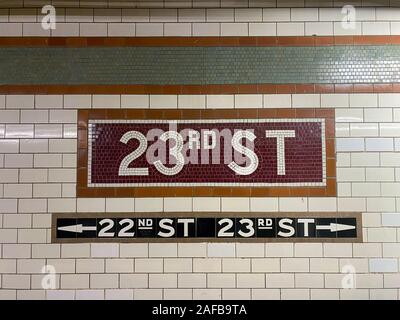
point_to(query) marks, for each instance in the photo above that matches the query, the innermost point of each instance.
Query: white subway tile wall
(38, 174)
(202, 18)
(36, 181)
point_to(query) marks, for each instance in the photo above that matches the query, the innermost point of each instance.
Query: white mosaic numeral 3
(176, 152)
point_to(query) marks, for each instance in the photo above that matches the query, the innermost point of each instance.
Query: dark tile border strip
(85, 114)
(199, 41)
(267, 88)
(199, 214)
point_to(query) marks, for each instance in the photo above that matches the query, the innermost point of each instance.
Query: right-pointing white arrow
(334, 227)
(77, 228)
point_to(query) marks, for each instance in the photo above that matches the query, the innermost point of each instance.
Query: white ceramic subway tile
(48, 101)
(318, 28)
(33, 146)
(19, 131)
(9, 116)
(163, 101)
(78, 15)
(107, 15)
(220, 15)
(18, 161)
(34, 30)
(93, 29)
(149, 29)
(304, 14)
(290, 29)
(220, 101)
(78, 101)
(349, 144)
(335, 100)
(206, 29)
(134, 101)
(376, 28)
(262, 29)
(135, 15)
(380, 174)
(163, 15)
(9, 146)
(66, 30)
(34, 116)
(277, 101)
(364, 129)
(177, 30)
(363, 100)
(276, 14)
(389, 129)
(352, 28)
(349, 115)
(248, 15)
(191, 101)
(234, 29)
(106, 101)
(379, 144)
(192, 15)
(10, 29)
(378, 115)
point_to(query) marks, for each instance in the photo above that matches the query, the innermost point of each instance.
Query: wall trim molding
(267, 88)
(234, 41)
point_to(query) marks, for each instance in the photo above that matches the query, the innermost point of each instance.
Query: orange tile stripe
(267, 88)
(199, 41)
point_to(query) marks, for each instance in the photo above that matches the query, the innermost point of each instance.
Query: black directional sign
(136, 227)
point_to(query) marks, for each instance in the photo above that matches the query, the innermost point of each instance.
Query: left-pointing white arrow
(77, 228)
(334, 227)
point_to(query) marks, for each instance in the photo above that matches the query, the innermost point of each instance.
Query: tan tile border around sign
(85, 114)
(356, 215)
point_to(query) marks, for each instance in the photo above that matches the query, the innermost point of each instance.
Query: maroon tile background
(303, 156)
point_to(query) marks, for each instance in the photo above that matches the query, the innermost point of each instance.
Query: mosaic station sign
(260, 227)
(243, 152)
(206, 153)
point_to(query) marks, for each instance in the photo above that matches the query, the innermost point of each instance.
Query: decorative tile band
(199, 65)
(266, 88)
(238, 41)
(223, 152)
(206, 227)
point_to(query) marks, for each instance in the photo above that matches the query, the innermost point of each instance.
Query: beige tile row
(193, 281)
(205, 29)
(358, 101)
(200, 14)
(194, 3)
(33, 243)
(370, 203)
(202, 294)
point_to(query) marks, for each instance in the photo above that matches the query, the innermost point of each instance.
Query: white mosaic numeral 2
(176, 152)
(123, 167)
(129, 224)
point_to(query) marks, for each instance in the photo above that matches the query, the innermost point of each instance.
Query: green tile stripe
(198, 65)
